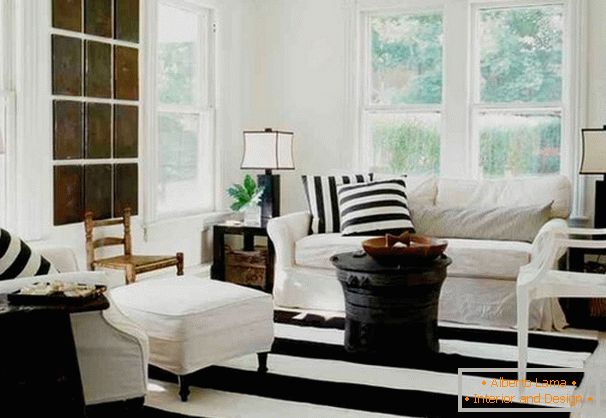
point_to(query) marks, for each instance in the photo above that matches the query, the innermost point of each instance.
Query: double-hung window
(402, 92)
(467, 88)
(184, 110)
(518, 112)
(7, 106)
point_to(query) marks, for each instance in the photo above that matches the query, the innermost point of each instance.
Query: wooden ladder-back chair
(131, 264)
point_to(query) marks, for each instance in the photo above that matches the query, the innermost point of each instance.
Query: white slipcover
(470, 257)
(112, 351)
(507, 192)
(195, 322)
(304, 277)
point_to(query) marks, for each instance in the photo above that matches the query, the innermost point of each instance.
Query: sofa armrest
(542, 237)
(284, 231)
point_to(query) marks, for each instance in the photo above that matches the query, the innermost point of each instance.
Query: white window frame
(367, 108)
(458, 149)
(476, 106)
(153, 107)
(7, 114)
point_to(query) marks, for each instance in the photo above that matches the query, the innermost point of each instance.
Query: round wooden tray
(415, 246)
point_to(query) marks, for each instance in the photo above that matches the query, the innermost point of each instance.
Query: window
(184, 111)
(402, 111)
(3, 165)
(466, 88)
(6, 107)
(518, 91)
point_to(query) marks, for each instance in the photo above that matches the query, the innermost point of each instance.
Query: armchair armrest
(543, 237)
(284, 231)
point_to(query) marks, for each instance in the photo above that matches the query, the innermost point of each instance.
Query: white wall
(595, 106)
(306, 85)
(298, 85)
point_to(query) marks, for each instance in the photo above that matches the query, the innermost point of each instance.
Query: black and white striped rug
(312, 375)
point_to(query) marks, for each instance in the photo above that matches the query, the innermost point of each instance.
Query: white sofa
(480, 287)
(112, 351)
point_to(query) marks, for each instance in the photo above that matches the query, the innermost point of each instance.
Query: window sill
(202, 222)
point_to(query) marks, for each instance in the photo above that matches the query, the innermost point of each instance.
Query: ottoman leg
(183, 388)
(262, 358)
(179, 264)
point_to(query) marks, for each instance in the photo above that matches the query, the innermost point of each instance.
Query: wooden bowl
(416, 246)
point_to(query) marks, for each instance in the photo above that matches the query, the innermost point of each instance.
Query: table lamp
(593, 161)
(268, 150)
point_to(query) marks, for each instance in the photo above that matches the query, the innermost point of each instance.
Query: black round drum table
(390, 309)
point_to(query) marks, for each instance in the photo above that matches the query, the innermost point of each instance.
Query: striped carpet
(311, 375)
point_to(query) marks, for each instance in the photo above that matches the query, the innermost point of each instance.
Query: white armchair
(112, 351)
(539, 279)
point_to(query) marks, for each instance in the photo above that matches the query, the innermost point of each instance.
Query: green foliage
(245, 194)
(521, 56)
(407, 59)
(522, 148)
(178, 148)
(407, 146)
(176, 73)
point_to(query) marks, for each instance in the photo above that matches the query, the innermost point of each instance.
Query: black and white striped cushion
(321, 193)
(374, 208)
(18, 260)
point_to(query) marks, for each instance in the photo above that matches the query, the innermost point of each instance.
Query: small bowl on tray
(406, 247)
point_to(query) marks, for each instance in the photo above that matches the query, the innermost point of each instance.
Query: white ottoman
(193, 323)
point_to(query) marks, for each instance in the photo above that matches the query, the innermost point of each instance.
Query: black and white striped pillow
(321, 193)
(374, 208)
(18, 260)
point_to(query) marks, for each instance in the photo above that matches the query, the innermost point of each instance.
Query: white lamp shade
(268, 150)
(594, 152)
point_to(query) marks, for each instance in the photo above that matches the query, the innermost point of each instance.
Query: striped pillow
(18, 260)
(374, 208)
(321, 193)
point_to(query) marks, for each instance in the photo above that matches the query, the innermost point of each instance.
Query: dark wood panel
(98, 17)
(98, 130)
(68, 130)
(67, 65)
(126, 73)
(127, 20)
(68, 200)
(98, 74)
(126, 131)
(67, 14)
(126, 188)
(98, 190)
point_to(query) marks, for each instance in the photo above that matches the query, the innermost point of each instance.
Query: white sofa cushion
(487, 259)
(508, 192)
(471, 258)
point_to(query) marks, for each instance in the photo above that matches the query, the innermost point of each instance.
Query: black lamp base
(599, 214)
(270, 201)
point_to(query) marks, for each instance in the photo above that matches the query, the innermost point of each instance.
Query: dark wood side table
(248, 232)
(39, 371)
(577, 309)
(390, 309)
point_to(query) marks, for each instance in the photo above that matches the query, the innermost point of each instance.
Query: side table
(40, 375)
(248, 232)
(390, 309)
(577, 310)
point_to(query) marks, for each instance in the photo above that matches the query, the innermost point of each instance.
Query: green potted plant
(246, 199)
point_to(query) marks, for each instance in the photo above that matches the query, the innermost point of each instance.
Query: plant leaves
(250, 185)
(244, 194)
